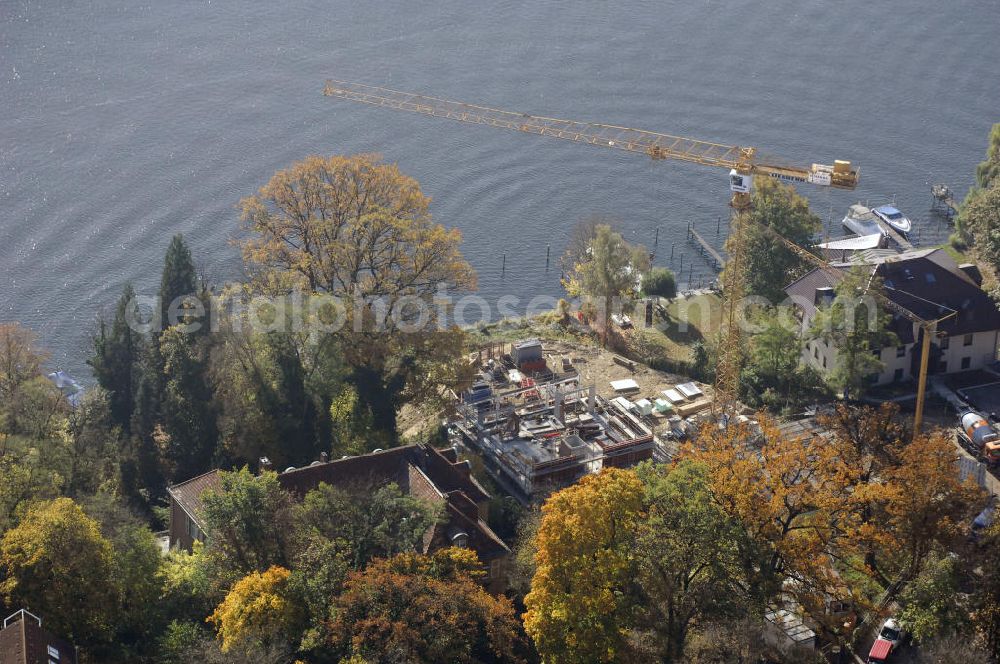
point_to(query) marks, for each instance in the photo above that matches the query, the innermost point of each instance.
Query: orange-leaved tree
(792, 495)
(424, 609)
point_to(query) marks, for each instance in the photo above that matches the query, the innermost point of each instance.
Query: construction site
(542, 416)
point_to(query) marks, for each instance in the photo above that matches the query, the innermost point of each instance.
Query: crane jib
(788, 178)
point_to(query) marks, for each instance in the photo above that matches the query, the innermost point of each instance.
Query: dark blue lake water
(122, 123)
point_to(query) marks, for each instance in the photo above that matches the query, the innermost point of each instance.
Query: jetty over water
(706, 249)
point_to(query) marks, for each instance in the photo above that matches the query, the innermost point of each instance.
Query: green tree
(357, 229)
(659, 282)
(855, 326)
(770, 265)
(136, 569)
(981, 219)
(117, 359)
(932, 602)
(246, 517)
(774, 377)
(57, 562)
(30, 404)
(687, 559)
(179, 280)
(578, 608)
(265, 407)
(371, 522)
(988, 171)
(612, 269)
(94, 446)
(187, 410)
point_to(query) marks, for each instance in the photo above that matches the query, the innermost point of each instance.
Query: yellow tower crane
(743, 164)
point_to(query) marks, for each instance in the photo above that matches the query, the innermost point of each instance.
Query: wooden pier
(943, 200)
(895, 236)
(707, 250)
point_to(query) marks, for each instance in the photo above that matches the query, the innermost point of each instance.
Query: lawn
(688, 321)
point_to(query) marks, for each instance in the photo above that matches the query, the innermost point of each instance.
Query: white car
(892, 632)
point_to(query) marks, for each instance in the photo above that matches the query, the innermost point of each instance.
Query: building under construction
(538, 430)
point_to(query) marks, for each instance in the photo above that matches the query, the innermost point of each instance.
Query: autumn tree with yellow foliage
(357, 229)
(257, 611)
(577, 608)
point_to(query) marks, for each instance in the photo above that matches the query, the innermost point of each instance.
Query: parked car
(890, 637)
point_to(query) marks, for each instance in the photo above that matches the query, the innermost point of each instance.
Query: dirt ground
(598, 366)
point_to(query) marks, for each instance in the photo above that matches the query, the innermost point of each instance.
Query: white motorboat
(862, 221)
(893, 217)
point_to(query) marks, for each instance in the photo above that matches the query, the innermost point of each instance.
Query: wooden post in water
(671, 251)
(548, 248)
(656, 238)
(503, 269)
(718, 225)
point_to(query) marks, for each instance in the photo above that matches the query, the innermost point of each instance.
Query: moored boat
(862, 221)
(893, 217)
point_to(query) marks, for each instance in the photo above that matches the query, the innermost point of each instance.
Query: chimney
(265, 464)
(972, 272)
(324, 457)
(464, 467)
(823, 295)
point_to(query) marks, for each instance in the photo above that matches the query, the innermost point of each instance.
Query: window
(966, 361)
(495, 569)
(967, 341)
(873, 378)
(193, 530)
(945, 342)
(900, 351)
(897, 375)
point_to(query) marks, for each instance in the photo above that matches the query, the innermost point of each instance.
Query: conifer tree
(118, 350)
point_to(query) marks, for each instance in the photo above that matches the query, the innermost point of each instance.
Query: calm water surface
(122, 123)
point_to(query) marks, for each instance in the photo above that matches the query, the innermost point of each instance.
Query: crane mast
(743, 163)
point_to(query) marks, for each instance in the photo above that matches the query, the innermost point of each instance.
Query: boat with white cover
(893, 217)
(862, 221)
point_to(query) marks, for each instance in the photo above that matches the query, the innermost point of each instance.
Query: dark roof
(928, 283)
(188, 494)
(419, 470)
(23, 641)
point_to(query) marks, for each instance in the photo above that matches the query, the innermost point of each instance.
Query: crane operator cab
(739, 182)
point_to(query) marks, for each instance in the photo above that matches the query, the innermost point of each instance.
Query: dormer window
(460, 539)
